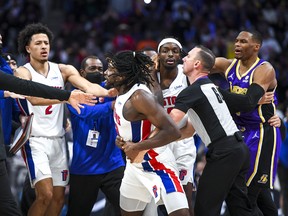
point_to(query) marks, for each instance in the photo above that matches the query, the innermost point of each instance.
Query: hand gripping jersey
(48, 120)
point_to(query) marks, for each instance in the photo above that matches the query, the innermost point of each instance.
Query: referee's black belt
(237, 136)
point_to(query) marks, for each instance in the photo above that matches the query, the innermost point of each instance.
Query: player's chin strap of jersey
(243, 103)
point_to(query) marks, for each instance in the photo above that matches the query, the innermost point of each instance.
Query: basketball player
(44, 155)
(250, 77)
(172, 82)
(8, 205)
(136, 113)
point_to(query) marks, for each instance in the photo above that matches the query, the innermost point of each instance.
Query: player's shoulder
(66, 68)
(140, 94)
(22, 72)
(265, 68)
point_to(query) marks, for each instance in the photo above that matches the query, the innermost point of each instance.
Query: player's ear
(27, 49)
(257, 46)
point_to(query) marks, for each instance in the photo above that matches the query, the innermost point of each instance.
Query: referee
(227, 157)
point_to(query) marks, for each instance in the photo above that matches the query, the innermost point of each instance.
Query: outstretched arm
(27, 87)
(221, 65)
(72, 75)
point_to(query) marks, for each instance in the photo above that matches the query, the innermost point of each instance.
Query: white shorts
(46, 158)
(185, 155)
(139, 186)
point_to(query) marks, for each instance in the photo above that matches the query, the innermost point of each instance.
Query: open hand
(78, 97)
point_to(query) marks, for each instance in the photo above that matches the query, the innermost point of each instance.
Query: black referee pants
(223, 178)
(84, 191)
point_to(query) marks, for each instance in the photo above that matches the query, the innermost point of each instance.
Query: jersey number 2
(48, 110)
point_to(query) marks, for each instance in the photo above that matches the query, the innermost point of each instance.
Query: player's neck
(41, 67)
(169, 72)
(247, 63)
(167, 76)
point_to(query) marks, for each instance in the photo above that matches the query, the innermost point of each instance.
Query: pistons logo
(182, 174)
(101, 99)
(64, 175)
(155, 191)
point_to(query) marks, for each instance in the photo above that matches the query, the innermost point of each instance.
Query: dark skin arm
(143, 105)
(221, 65)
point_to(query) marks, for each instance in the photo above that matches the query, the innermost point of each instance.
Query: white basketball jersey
(48, 120)
(174, 89)
(183, 150)
(130, 131)
(135, 131)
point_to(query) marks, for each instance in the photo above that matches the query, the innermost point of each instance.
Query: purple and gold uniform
(262, 140)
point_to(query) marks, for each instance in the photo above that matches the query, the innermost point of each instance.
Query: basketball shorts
(185, 155)
(46, 158)
(264, 145)
(160, 184)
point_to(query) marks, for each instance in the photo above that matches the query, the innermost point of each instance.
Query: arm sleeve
(283, 130)
(243, 103)
(30, 88)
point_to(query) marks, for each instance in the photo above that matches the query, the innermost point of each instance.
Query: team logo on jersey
(231, 76)
(155, 191)
(101, 99)
(255, 135)
(246, 79)
(64, 175)
(182, 174)
(263, 179)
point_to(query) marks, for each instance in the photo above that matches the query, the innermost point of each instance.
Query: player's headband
(169, 40)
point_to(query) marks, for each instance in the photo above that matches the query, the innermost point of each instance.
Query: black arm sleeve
(243, 103)
(283, 130)
(30, 88)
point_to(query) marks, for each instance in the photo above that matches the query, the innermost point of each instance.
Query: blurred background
(84, 27)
